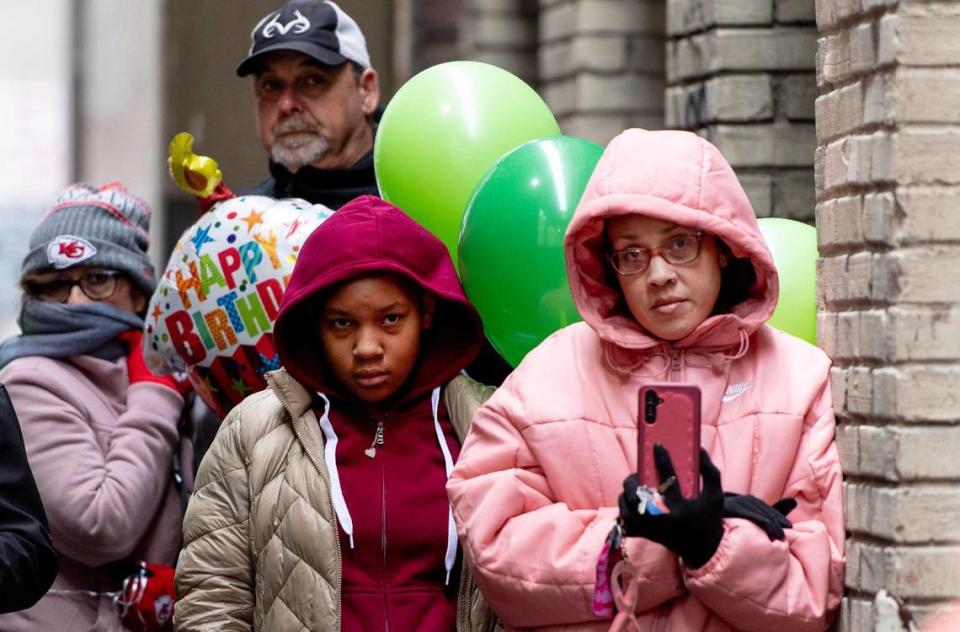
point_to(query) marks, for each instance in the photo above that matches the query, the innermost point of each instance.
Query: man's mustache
(295, 123)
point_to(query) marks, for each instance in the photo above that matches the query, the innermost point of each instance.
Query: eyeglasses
(677, 250)
(97, 285)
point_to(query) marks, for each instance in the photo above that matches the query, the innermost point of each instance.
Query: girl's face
(669, 300)
(370, 329)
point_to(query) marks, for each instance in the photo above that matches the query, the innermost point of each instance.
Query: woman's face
(669, 300)
(85, 284)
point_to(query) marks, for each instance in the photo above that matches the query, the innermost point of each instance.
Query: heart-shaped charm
(370, 452)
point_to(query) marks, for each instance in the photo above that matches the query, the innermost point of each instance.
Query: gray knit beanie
(105, 227)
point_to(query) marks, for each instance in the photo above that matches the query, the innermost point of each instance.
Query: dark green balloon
(511, 241)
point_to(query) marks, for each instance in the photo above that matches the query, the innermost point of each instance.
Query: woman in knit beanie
(101, 431)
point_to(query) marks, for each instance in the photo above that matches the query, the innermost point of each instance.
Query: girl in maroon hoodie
(322, 501)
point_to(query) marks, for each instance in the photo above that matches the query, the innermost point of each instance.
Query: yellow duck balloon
(198, 175)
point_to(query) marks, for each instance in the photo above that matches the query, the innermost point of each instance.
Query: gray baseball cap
(317, 28)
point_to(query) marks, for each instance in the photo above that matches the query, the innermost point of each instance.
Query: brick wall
(888, 218)
(601, 65)
(741, 73)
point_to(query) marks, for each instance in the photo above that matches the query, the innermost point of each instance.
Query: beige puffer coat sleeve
(462, 397)
(215, 571)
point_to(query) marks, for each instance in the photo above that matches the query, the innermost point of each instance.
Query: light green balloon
(511, 242)
(443, 129)
(794, 248)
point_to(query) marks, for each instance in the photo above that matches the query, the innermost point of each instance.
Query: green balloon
(794, 248)
(443, 129)
(511, 241)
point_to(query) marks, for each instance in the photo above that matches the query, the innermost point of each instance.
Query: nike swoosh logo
(734, 391)
(730, 398)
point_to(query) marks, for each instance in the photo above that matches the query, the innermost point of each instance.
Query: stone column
(602, 64)
(503, 33)
(741, 73)
(434, 32)
(888, 218)
(498, 32)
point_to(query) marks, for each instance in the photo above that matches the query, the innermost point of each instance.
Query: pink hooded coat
(535, 490)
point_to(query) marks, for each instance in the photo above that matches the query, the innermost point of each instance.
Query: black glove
(772, 519)
(693, 528)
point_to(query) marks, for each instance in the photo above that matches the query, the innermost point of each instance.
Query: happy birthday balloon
(443, 129)
(213, 310)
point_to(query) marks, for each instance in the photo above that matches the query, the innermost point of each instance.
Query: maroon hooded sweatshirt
(394, 574)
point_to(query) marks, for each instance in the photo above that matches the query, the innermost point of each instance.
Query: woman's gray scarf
(57, 330)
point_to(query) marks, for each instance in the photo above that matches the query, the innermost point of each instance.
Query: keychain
(610, 554)
(651, 500)
(626, 593)
(617, 591)
(613, 567)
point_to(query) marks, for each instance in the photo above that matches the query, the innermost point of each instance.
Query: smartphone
(670, 416)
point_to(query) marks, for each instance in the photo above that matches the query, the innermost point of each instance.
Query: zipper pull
(675, 360)
(377, 440)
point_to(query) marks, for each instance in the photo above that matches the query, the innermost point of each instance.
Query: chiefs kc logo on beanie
(67, 250)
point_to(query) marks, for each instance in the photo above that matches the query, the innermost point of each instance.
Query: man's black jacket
(28, 563)
(331, 187)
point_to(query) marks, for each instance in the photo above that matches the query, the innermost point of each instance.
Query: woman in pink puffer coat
(674, 281)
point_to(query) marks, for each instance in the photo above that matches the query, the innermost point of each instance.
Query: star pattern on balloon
(252, 220)
(239, 386)
(270, 364)
(201, 237)
(206, 384)
(294, 225)
(157, 312)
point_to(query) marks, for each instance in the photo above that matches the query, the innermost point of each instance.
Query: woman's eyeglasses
(678, 249)
(97, 285)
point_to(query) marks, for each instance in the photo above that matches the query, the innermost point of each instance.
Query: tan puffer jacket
(261, 550)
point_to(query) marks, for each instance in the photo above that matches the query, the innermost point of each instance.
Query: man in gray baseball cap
(317, 95)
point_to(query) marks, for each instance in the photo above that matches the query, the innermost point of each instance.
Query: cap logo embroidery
(299, 24)
(66, 250)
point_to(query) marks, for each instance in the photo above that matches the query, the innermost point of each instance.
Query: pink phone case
(670, 415)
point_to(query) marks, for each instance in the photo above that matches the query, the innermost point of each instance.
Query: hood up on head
(370, 236)
(676, 177)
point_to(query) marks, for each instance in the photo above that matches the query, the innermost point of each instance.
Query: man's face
(311, 114)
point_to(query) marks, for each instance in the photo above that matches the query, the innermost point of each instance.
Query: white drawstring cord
(340, 503)
(330, 458)
(451, 557)
(85, 593)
